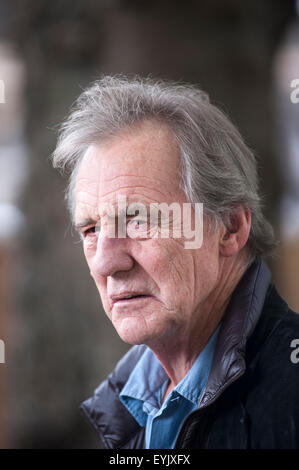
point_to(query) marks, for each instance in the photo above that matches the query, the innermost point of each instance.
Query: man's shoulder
(273, 337)
(278, 324)
(277, 352)
(119, 376)
(272, 379)
(114, 424)
(124, 367)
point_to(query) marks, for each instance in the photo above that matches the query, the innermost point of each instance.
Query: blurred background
(58, 343)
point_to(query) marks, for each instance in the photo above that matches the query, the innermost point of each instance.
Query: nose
(111, 256)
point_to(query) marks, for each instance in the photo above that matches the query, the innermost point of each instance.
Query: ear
(235, 234)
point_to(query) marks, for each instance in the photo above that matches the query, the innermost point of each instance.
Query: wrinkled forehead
(145, 160)
(142, 164)
(143, 147)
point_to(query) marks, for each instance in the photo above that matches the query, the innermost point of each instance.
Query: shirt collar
(148, 381)
(192, 385)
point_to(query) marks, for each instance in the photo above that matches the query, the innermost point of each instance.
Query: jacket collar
(239, 321)
(116, 426)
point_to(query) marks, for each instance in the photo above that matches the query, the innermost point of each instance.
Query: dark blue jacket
(251, 399)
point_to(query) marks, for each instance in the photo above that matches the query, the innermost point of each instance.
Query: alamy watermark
(295, 353)
(2, 91)
(294, 96)
(156, 220)
(2, 352)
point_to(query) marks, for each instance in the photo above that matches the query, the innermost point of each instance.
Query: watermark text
(295, 353)
(155, 220)
(294, 96)
(2, 352)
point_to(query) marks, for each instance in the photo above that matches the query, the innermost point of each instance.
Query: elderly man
(213, 363)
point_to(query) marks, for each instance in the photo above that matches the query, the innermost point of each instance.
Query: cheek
(150, 258)
(172, 269)
(100, 282)
(89, 248)
(206, 273)
(88, 254)
(104, 298)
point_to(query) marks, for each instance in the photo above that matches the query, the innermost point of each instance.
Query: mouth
(129, 298)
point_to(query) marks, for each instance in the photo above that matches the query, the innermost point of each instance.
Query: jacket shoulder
(124, 367)
(114, 424)
(272, 378)
(277, 328)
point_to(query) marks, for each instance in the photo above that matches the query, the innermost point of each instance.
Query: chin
(133, 331)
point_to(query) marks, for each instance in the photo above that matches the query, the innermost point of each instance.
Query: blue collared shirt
(145, 388)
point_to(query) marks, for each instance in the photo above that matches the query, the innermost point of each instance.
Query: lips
(128, 296)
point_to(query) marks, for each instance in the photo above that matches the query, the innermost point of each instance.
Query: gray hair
(217, 167)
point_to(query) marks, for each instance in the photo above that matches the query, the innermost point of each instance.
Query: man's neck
(178, 352)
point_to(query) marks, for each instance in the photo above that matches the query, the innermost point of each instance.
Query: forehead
(142, 163)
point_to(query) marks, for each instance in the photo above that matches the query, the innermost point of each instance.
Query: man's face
(167, 283)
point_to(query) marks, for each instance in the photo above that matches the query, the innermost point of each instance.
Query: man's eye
(89, 231)
(137, 228)
(138, 223)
